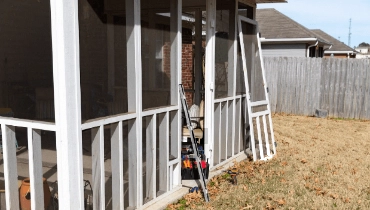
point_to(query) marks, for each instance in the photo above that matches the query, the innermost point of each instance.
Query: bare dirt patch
(321, 164)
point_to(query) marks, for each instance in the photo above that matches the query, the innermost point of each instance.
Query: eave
(340, 52)
(295, 40)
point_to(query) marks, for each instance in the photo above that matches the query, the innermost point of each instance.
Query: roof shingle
(274, 25)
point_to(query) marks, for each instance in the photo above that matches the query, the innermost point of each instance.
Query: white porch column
(232, 63)
(209, 80)
(176, 74)
(134, 93)
(67, 99)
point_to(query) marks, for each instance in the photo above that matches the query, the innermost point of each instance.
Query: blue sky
(331, 16)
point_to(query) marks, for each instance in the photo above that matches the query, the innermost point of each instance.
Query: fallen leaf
(281, 202)
(307, 185)
(269, 206)
(245, 188)
(263, 181)
(284, 163)
(346, 200)
(247, 207)
(334, 196)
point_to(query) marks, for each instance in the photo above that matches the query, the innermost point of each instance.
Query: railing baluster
(10, 167)
(167, 146)
(35, 167)
(223, 131)
(117, 166)
(230, 129)
(170, 174)
(154, 160)
(97, 135)
(217, 135)
(163, 152)
(237, 124)
(150, 171)
(260, 142)
(266, 135)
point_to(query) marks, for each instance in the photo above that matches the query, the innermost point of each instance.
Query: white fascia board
(339, 52)
(296, 40)
(287, 40)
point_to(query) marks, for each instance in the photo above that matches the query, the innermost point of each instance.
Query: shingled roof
(337, 45)
(275, 25)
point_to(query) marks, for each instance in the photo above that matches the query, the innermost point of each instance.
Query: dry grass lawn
(321, 164)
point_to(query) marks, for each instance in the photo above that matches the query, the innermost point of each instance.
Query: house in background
(338, 50)
(363, 52)
(282, 36)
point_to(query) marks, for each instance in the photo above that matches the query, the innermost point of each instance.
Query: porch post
(232, 62)
(209, 80)
(176, 60)
(134, 93)
(67, 100)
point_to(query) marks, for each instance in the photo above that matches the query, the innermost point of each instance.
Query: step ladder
(261, 119)
(195, 148)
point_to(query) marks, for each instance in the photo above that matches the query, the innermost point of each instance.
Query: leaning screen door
(262, 143)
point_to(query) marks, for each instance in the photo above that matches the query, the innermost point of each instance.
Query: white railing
(34, 129)
(229, 121)
(162, 120)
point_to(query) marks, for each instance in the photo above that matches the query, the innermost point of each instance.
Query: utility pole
(349, 32)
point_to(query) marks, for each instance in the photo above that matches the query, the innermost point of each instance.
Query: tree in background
(364, 44)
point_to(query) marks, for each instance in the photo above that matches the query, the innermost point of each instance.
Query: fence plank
(342, 84)
(367, 92)
(360, 92)
(331, 81)
(316, 82)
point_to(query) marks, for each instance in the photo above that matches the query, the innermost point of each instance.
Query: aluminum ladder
(195, 148)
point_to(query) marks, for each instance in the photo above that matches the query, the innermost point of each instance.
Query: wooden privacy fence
(302, 85)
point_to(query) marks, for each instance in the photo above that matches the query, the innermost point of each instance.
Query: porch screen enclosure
(93, 86)
(110, 70)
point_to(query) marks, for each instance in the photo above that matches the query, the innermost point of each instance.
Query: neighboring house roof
(338, 46)
(276, 27)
